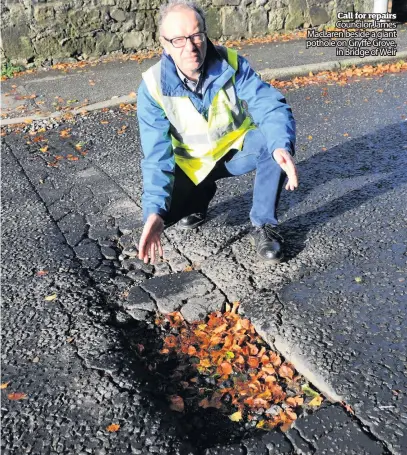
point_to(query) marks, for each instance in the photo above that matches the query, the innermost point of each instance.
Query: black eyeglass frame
(186, 39)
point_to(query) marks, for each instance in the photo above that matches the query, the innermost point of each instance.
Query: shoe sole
(269, 261)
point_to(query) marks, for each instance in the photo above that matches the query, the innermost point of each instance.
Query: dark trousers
(188, 198)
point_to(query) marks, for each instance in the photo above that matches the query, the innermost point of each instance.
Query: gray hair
(177, 5)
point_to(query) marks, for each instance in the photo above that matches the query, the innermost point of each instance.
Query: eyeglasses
(181, 41)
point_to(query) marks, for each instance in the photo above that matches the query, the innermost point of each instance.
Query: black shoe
(268, 243)
(192, 221)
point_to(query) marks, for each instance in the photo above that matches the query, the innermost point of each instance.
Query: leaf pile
(341, 77)
(248, 380)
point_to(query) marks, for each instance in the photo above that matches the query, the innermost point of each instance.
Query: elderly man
(194, 130)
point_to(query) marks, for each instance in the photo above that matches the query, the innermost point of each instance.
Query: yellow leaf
(236, 416)
(48, 298)
(113, 428)
(44, 149)
(104, 122)
(4, 385)
(310, 137)
(316, 401)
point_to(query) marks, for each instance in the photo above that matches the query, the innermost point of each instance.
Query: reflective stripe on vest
(199, 143)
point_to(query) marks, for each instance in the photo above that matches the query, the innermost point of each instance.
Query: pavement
(335, 308)
(97, 86)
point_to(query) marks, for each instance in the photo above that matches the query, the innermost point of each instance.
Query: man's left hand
(286, 162)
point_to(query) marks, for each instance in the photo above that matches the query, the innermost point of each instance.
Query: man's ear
(164, 44)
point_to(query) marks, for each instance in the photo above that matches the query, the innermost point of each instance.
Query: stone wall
(46, 30)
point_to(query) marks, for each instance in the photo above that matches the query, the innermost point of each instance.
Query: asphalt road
(336, 307)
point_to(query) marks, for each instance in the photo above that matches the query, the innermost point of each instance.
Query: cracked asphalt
(335, 308)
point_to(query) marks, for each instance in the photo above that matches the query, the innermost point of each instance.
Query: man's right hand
(150, 239)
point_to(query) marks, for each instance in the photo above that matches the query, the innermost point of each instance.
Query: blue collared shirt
(266, 105)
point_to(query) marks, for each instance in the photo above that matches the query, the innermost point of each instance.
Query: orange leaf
(4, 385)
(286, 371)
(253, 362)
(226, 368)
(294, 401)
(253, 349)
(191, 350)
(275, 359)
(221, 328)
(65, 133)
(268, 370)
(113, 428)
(177, 403)
(14, 396)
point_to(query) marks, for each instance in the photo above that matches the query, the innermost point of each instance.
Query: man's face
(184, 22)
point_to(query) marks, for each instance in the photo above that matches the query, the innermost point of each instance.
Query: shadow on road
(360, 170)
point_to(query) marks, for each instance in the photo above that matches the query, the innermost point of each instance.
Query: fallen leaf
(65, 133)
(348, 408)
(4, 385)
(308, 391)
(226, 368)
(358, 279)
(104, 122)
(177, 403)
(48, 298)
(44, 149)
(286, 371)
(42, 272)
(316, 401)
(113, 428)
(14, 396)
(236, 416)
(309, 137)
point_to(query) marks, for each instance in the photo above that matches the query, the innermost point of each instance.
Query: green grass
(8, 69)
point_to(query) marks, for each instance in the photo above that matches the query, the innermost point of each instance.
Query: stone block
(81, 21)
(43, 14)
(276, 19)
(124, 4)
(258, 22)
(117, 14)
(318, 15)
(88, 249)
(296, 14)
(73, 227)
(16, 42)
(213, 23)
(234, 23)
(137, 40)
(106, 42)
(138, 299)
(129, 25)
(145, 21)
(144, 4)
(226, 2)
(197, 308)
(171, 291)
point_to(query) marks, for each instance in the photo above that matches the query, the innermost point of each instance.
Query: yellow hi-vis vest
(199, 143)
